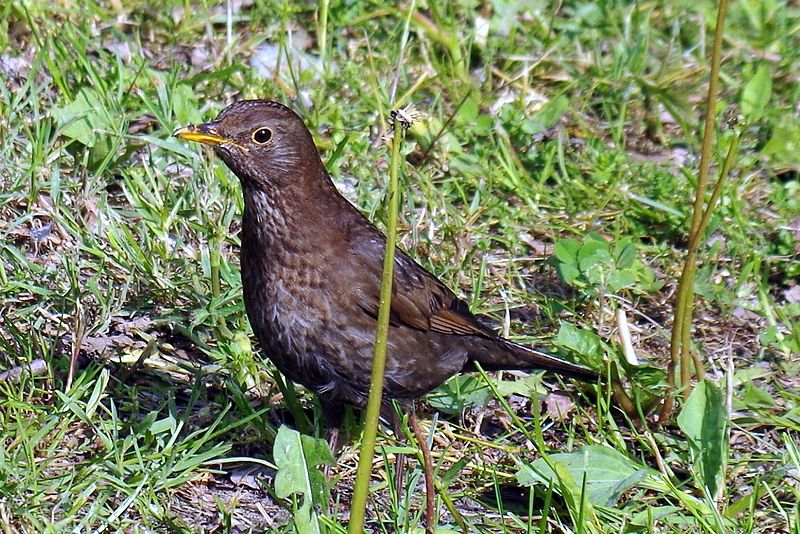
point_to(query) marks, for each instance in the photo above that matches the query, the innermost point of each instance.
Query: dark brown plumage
(311, 272)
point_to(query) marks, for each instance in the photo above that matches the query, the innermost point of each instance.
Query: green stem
(727, 165)
(359, 503)
(680, 354)
(686, 350)
(215, 255)
(687, 285)
(286, 387)
(322, 33)
(214, 260)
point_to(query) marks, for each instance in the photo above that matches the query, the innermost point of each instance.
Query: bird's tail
(500, 354)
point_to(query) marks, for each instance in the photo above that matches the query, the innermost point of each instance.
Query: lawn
(548, 179)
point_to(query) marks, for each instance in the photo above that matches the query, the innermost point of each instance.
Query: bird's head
(263, 142)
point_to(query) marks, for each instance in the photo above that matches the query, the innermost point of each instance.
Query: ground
(548, 179)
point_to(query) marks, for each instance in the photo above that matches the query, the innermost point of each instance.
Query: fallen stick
(14, 375)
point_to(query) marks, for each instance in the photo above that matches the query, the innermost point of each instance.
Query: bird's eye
(262, 136)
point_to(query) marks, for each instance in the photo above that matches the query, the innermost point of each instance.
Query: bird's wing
(419, 299)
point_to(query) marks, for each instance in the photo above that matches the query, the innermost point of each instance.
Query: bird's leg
(427, 465)
(333, 413)
(332, 435)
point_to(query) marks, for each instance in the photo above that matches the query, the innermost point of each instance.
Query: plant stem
(680, 350)
(214, 260)
(322, 34)
(359, 503)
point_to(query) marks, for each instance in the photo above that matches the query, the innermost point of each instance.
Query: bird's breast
(285, 290)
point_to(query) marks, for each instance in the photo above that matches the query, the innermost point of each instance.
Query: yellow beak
(201, 133)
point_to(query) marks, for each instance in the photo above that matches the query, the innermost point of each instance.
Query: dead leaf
(559, 405)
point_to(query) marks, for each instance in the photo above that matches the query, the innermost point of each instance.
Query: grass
(549, 182)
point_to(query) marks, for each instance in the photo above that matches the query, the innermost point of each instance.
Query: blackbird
(311, 271)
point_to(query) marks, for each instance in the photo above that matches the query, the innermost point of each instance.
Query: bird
(311, 267)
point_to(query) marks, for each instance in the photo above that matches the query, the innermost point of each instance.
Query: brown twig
(427, 465)
(77, 340)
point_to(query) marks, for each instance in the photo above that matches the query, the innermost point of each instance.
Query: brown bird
(311, 272)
